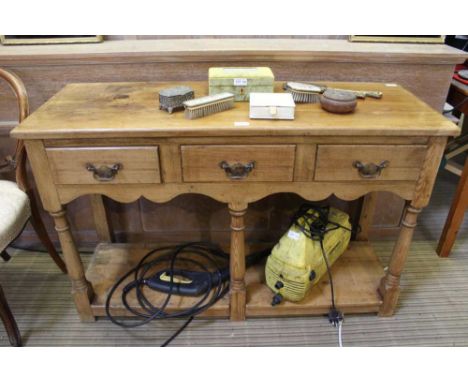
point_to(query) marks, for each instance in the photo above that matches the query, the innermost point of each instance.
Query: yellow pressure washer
(315, 240)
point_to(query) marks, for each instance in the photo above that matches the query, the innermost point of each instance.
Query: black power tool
(208, 284)
(195, 283)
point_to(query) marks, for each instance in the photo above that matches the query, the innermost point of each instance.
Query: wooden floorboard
(433, 308)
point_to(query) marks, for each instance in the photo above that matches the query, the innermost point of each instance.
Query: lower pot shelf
(356, 276)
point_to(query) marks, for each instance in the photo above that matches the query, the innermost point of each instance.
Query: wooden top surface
(98, 110)
(191, 50)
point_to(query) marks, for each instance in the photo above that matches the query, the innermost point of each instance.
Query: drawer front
(95, 165)
(369, 162)
(247, 163)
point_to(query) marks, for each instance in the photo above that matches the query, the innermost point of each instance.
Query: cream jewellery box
(241, 81)
(271, 106)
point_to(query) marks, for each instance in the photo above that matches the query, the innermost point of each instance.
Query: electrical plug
(334, 317)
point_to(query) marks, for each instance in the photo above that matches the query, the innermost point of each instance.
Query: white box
(271, 106)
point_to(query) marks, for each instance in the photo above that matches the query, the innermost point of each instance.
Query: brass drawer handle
(104, 173)
(237, 170)
(370, 170)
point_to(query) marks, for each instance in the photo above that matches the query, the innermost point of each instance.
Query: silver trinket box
(171, 99)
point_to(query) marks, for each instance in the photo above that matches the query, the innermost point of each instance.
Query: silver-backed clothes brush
(203, 106)
(310, 93)
(304, 93)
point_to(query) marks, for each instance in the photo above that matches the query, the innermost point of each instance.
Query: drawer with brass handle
(369, 162)
(370, 170)
(104, 173)
(93, 165)
(242, 163)
(237, 170)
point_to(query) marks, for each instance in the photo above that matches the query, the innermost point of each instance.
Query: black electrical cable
(41, 250)
(159, 257)
(200, 255)
(314, 223)
(332, 289)
(178, 331)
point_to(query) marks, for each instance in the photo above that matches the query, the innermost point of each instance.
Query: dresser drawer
(369, 162)
(247, 163)
(94, 165)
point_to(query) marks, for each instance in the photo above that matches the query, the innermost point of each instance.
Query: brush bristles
(303, 97)
(209, 108)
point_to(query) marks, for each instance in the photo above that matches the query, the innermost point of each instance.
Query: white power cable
(340, 340)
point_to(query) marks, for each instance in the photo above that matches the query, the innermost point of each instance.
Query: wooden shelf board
(356, 278)
(112, 261)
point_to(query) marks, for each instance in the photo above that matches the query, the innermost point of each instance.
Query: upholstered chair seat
(14, 212)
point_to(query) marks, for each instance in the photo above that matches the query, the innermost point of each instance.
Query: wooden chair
(455, 216)
(458, 96)
(18, 205)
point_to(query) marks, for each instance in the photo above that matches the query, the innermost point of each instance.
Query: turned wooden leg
(367, 215)
(38, 225)
(81, 289)
(9, 321)
(455, 215)
(237, 262)
(390, 284)
(101, 220)
(36, 220)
